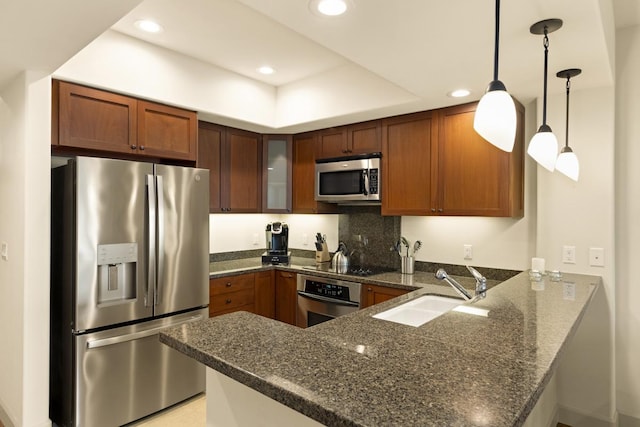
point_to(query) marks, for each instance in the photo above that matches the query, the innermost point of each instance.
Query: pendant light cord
(546, 64)
(496, 47)
(566, 135)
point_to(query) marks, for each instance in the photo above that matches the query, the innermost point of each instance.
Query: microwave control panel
(373, 181)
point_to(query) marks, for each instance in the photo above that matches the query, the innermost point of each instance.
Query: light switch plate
(468, 252)
(569, 254)
(596, 257)
(4, 251)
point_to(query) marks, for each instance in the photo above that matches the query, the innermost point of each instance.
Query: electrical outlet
(596, 257)
(569, 291)
(255, 239)
(468, 252)
(569, 254)
(305, 239)
(4, 250)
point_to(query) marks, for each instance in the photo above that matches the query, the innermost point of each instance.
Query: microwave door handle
(365, 179)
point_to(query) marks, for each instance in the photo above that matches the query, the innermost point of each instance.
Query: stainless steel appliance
(352, 179)
(130, 256)
(277, 242)
(321, 299)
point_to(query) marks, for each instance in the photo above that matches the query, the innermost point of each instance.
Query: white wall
(581, 214)
(24, 226)
(627, 223)
(246, 231)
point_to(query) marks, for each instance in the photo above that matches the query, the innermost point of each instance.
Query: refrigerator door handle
(151, 243)
(140, 334)
(160, 247)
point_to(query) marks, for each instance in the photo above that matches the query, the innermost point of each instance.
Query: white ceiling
(424, 47)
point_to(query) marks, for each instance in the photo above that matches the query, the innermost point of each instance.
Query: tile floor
(190, 413)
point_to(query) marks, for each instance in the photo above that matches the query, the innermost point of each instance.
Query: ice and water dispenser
(117, 264)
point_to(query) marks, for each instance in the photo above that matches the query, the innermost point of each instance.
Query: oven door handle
(326, 299)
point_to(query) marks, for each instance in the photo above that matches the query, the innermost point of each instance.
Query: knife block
(323, 255)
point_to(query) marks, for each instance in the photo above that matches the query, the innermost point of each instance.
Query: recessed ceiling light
(265, 69)
(329, 7)
(148, 26)
(459, 93)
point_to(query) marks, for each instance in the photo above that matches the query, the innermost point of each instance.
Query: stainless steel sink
(420, 310)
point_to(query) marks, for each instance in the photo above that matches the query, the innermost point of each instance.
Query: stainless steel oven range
(321, 299)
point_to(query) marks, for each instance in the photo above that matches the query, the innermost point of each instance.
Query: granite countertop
(457, 370)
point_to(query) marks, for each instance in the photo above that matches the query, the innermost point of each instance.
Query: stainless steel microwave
(352, 179)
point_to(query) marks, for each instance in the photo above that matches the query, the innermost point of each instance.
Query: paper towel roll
(537, 264)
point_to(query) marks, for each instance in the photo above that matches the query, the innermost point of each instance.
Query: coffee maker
(277, 243)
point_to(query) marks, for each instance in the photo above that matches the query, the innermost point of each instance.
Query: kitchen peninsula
(459, 369)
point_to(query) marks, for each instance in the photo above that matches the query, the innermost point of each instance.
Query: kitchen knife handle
(151, 242)
(160, 248)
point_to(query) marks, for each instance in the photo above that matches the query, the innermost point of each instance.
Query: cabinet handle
(433, 209)
(228, 301)
(133, 146)
(440, 210)
(369, 290)
(288, 276)
(345, 151)
(142, 147)
(228, 284)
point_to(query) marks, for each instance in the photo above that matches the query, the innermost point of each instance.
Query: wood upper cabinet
(359, 138)
(374, 294)
(165, 131)
(234, 159)
(94, 119)
(474, 177)
(409, 147)
(90, 118)
(277, 181)
(434, 163)
(286, 296)
(304, 164)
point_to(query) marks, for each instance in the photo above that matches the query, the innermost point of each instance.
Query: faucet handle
(481, 281)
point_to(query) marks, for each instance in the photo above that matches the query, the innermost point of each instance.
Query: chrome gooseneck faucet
(481, 284)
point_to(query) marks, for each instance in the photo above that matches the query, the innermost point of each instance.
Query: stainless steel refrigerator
(130, 257)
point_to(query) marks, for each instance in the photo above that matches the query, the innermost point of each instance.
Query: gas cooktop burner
(369, 271)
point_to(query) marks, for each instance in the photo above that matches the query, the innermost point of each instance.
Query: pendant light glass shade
(495, 118)
(567, 163)
(543, 147)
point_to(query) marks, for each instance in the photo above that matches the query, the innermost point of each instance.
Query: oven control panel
(329, 288)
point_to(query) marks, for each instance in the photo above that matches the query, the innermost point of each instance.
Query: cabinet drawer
(231, 300)
(224, 285)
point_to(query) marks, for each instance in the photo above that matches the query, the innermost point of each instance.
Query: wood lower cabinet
(265, 294)
(286, 296)
(375, 294)
(434, 163)
(97, 120)
(231, 293)
(252, 292)
(304, 164)
(234, 160)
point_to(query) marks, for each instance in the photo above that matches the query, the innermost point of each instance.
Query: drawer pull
(228, 301)
(228, 284)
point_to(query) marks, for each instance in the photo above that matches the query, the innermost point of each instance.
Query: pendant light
(567, 162)
(544, 145)
(495, 119)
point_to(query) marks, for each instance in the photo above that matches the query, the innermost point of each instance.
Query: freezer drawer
(126, 373)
